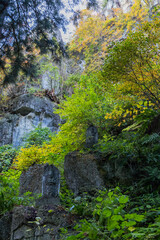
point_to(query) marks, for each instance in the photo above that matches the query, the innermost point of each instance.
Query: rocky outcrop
(51, 78)
(44, 223)
(27, 112)
(7, 126)
(28, 103)
(81, 173)
(112, 4)
(55, 76)
(44, 180)
(90, 171)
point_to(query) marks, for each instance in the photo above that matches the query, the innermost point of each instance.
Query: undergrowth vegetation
(111, 215)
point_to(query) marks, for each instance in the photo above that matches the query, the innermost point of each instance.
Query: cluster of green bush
(111, 214)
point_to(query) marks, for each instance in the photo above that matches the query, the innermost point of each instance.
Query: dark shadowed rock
(7, 126)
(50, 181)
(31, 180)
(154, 126)
(5, 226)
(91, 136)
(42, 179)
(117, 171)
(44, 223)
(81, 172)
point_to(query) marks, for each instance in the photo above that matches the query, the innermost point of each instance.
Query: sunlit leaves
(133, 66)
(87, 106)
(96, 33)
(36, 154)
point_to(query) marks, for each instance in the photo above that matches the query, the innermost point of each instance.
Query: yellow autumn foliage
(133, 67)
(28, 156)
(96, 33)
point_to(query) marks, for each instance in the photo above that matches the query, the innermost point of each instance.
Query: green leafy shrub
(9, 189)
(3, 103)
(87, 106)
(132, 149)
(7, 154)
(83, 205)
(38, 136)
(109, 218)
(113, 215)
(9, 192)
(73, 80)
(66, 195)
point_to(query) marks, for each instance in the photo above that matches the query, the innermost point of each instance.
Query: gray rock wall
(81, 173)
(27, 112)
(125, 5)
(41, 179)
(111, 4)
(87, 172)
(44, 223)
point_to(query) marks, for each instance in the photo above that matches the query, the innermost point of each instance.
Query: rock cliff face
(27, 112)
(124, 5)
(55, 77)
(41, 179)
(44, 220)
(111, 4)
(81, 173)
(51, 219)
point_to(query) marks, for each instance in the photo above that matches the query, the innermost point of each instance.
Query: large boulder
(31, 180)
(81, 173)
(89, 171)
(26, 113)
(28, 103)
(42, 223)
(44, 180)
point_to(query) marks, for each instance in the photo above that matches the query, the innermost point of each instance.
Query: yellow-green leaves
(36, 154)
(133, 66)
(96, 33)
(88, 105)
